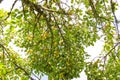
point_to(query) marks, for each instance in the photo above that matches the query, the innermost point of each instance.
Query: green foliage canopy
(55, 34)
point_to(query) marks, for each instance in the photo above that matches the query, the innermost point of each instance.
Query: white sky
(92, 50)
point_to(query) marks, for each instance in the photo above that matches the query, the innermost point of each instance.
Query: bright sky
(92, 50)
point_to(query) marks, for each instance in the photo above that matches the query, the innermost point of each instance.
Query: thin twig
(36, 76)
(11, 9)
(50, 29)
(59, 29)
(18, 66)
(112, 49)
(113, 12)
(35, 25)
(105, 57)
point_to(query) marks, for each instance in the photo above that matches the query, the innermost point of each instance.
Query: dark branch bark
(115, 18)
(11, 9)
(40, 8)
(16, 64)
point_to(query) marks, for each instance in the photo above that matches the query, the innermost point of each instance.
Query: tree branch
(40, 8)
(14, 62)
(11, 9)
(115, 18)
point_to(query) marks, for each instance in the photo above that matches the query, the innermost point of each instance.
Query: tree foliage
(54, 34)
